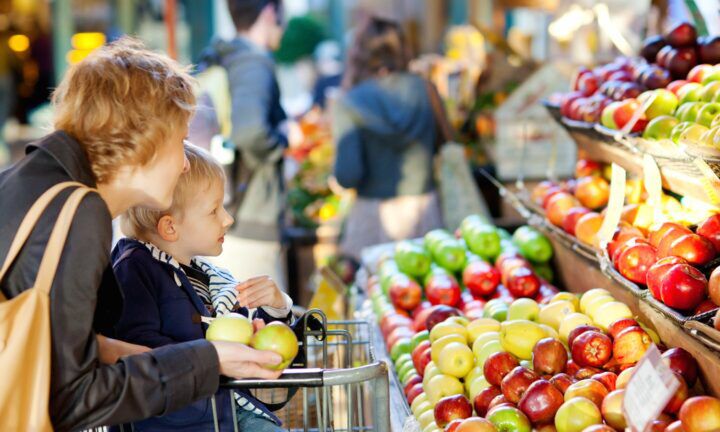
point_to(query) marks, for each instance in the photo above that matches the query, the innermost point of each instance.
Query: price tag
(650, 388)
(710, 182)
(614, 207)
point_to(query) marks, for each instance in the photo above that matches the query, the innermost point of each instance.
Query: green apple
(712, 76)
(664, 102)
(691, 111)
(690, 92)
(482, 240)
(231, 327)
(456, 359)
(678, 129)
(279, 338)
(450, 255)
(692, 134)
(708, 113)
(406, 369)
(509, 419)
(606, 118)
(401, 347)
(402, 360)
(660, 127)
(577, 414)
(523, 308)
(419, 337)
(412, 259)
(443, 385)
(711, 138)
(406, 379)
(434, 237)
(710, 92)
(715, 122)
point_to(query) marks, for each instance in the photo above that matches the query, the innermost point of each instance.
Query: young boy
(168, 288)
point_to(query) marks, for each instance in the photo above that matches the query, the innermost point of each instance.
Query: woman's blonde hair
(122, 103)
(204, 171)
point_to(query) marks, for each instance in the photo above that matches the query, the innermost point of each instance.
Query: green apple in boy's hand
(279, 338)
(230, 328)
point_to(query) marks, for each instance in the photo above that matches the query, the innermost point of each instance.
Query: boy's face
(202, 226)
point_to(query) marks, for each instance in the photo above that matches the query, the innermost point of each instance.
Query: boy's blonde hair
(204, 171)
(122, 103)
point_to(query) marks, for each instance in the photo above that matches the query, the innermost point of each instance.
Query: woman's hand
(240, 361)
(260, 291)
(110, 350)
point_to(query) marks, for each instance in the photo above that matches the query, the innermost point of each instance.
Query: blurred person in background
(6, 94)
(386, 137)
(259, 137)
(328, 62)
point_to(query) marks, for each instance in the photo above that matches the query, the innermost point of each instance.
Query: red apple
(423, 359)
(558, 206)
(680, 396)
(710, 229)
(656, 273)
(484, 398)
(405, 293)
(439, 314)
(549, 357)
(682, 362)
(586, 372)
(659, 233)
(571, 218)
(541, 401)
(517, 382)
(714, 286)
(498, 365)
(700, 414)
(481, 278)
(668, 238)
(617, 326)
(539, 192)
(415, 391)
(592, 192)
(562, 381)
(709, 49)
(475, 424)
(450, 408)
(681, 61)
(500, 400)
(523, 282)
(591, 349)
(454, 425)
(630, 345)
(695, 249)
(658, 425)
(676, 85)
(698, 73)
(635, 260)
(420, 319)
(681, 35)
(625, 112)
(705, 306)
(683, 287)
(587, 167)
(607, 379)
(443, 289)
(588, 84)
(622, 234)
(571, 368)
(587, 388)
(411, 382)
(577, 331)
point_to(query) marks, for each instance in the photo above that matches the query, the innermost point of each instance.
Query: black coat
(84, 392)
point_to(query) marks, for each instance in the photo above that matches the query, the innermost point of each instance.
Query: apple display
(451, 408)
(592, 349)
(515, 383)
(549, 357)
(700, 414)
(541, 401)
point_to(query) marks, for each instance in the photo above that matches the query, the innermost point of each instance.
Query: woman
(121, 116)
(385, 133)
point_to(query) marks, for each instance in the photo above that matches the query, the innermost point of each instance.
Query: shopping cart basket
(343, 388)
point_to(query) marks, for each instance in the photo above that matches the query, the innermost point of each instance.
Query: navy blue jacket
(158, 312)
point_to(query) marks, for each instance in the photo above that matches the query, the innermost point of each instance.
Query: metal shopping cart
(344, 387)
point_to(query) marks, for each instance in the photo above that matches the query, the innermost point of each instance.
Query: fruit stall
(599, 312)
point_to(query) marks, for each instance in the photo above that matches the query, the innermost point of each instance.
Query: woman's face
(156, 180)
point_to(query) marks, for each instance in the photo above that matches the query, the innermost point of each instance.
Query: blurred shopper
(328, 61)
(386, 138)
(259, 137)
(120, 117)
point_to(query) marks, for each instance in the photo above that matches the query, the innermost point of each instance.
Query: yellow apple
(476, 386)
(551, 332)
(422, 397)
(439, 344)
(611, 312)
(426, 418)
(456, 359)
(523, 308)
(571, 322)
(589, 295)
(486, 351)
(431, 370)
(422, 407)
(553, 313)
(443, 385)
(485, 337)
(481, 326)
(519, 337)
(595, 304)
(475, 372)
(568, 296)
(447, 328)
(459, 320)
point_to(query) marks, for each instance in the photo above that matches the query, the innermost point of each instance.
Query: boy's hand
(260, 291)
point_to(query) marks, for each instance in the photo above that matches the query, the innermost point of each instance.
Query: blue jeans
(248, 421)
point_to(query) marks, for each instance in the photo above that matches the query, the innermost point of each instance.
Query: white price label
(614, 207)
(650, 388)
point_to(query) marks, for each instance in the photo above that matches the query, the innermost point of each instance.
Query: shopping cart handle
(310, 377)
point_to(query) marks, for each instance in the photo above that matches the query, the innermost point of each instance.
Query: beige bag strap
(28, 223)
(54, 248)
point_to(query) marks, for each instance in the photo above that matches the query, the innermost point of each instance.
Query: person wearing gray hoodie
(386, 137)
